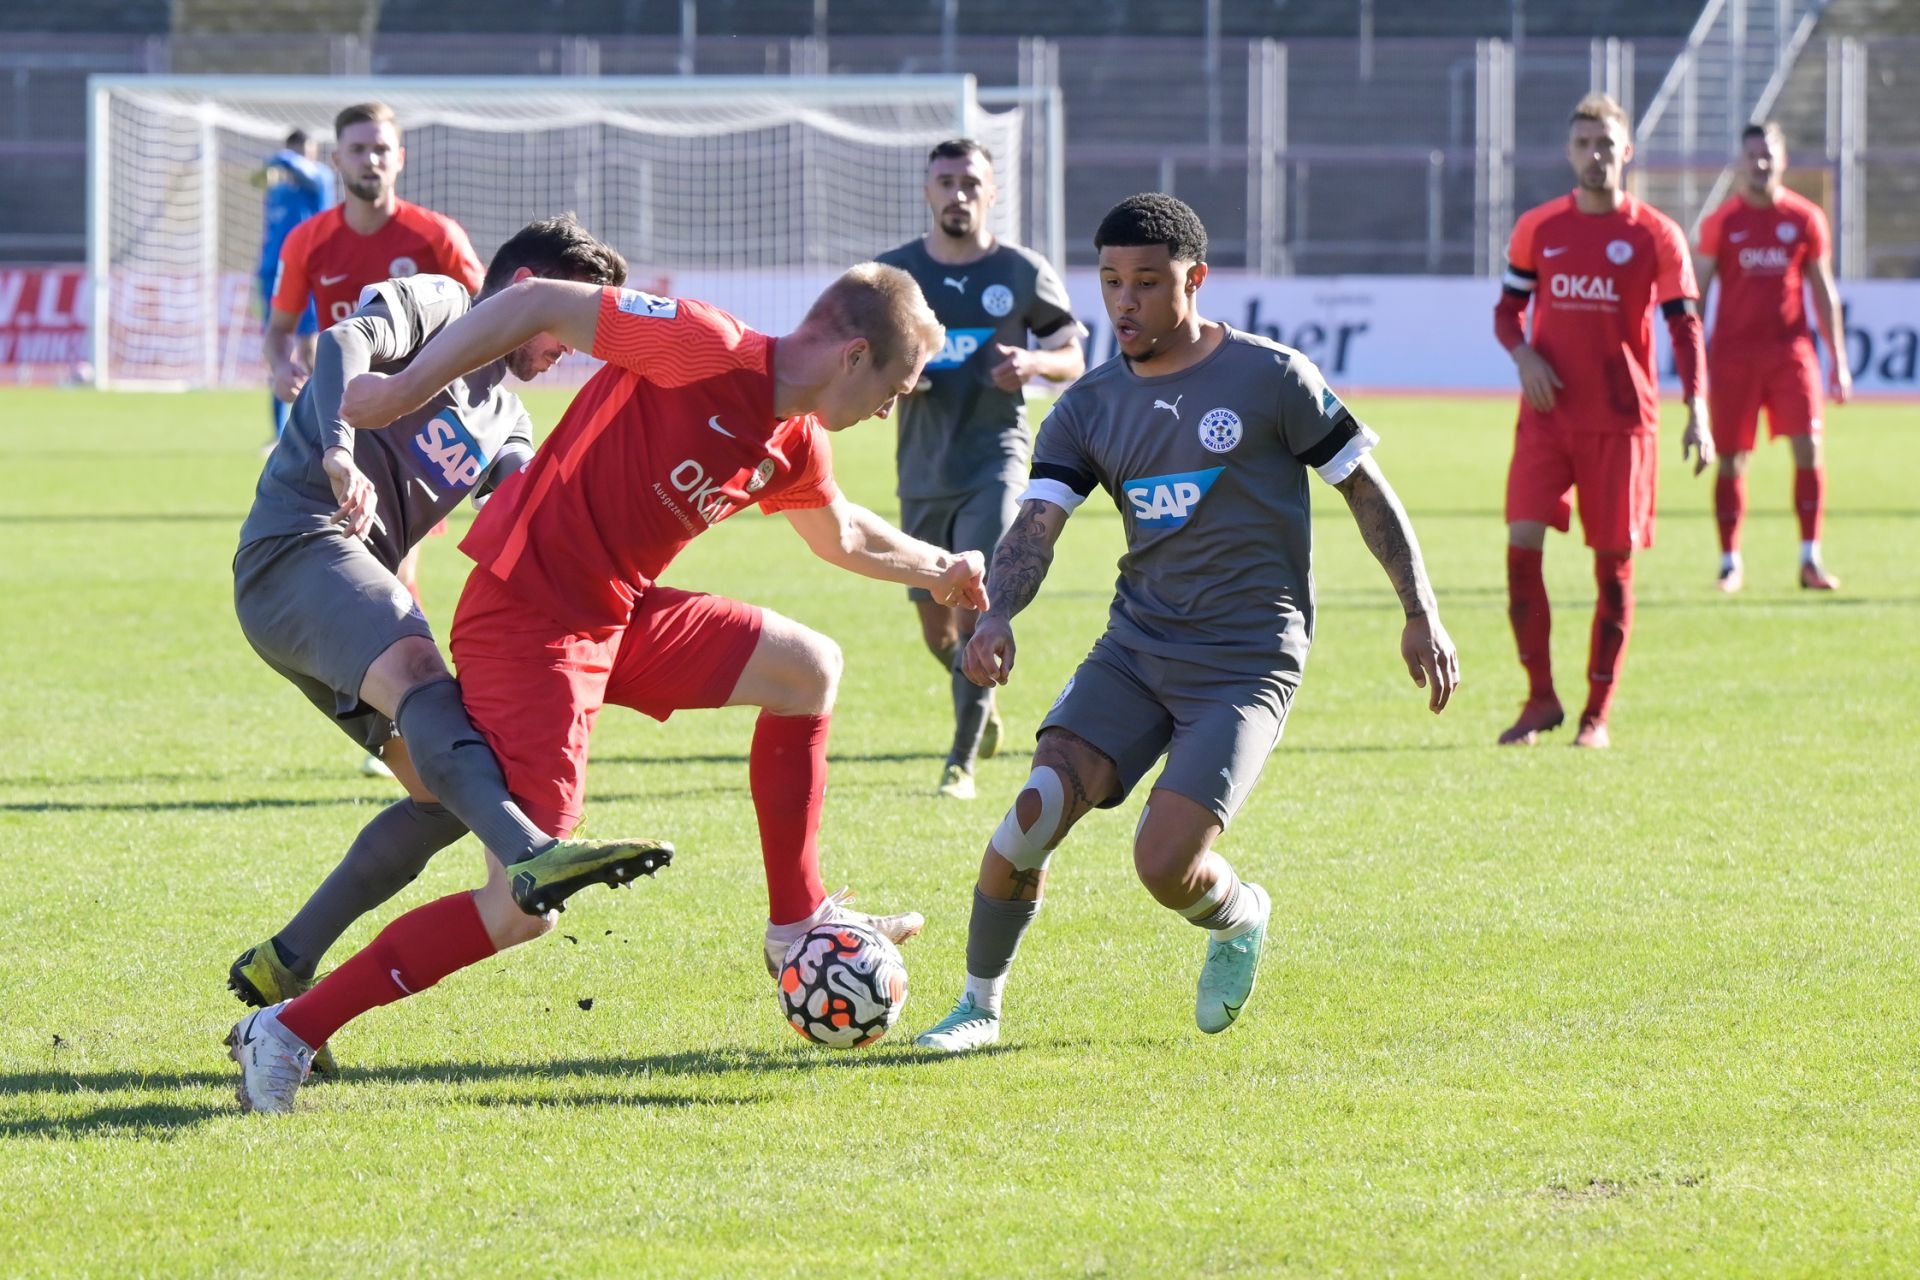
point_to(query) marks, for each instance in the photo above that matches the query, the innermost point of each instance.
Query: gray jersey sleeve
(513, 457)
(1062, 473)
(1050, 315)
(1315, 426)
(394, 319)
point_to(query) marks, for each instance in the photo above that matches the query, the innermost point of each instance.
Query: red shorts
(1785, 381)
(533, 689)
(1612, 470)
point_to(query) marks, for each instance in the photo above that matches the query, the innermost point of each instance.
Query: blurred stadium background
(1318, 138)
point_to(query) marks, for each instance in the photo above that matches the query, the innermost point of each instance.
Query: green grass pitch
(1535, 1012)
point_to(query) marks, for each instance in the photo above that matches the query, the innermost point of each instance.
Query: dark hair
(558, 249)
(364, 113)
(1769, 129)
(297, 140)
(1154, 217)
(959, 149)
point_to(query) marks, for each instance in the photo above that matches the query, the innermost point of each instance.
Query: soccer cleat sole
(536, 899)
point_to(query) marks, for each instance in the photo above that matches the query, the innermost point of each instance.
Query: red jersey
(326, 258)
(1596, 280)
(1760, 256)
(674, 435)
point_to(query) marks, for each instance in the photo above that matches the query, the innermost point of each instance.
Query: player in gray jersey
(963, 436)
(1203, 436)
(317, 597)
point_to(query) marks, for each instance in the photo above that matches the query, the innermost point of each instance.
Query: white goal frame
(170, 221)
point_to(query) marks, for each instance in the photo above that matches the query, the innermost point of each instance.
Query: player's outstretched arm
(851, 537)
(567, 309)
(1020, 565)
(1384, 527)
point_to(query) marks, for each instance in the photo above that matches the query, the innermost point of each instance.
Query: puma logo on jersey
(959, 285)
(445, 446)
(1165, 502)
(1584, 288)
(959, 347)
(1173, 408)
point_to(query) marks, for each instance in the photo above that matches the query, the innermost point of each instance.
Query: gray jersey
(459, 443)
(1209, 469)
(965, 433)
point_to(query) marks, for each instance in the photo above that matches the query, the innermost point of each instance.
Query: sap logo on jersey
(638, 302)
(1165, 502)
(961, 344)
(446, 446)
(1585, 288)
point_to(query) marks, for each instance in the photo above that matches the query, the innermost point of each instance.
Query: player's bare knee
(817, 681)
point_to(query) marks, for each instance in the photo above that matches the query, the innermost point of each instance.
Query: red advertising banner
(43, 323)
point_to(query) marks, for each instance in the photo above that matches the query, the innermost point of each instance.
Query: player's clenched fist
(964, 582)
(989, 656)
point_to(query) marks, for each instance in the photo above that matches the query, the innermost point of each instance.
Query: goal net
(750, 192)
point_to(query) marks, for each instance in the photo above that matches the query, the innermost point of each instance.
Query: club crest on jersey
(445, 447)
(402, 266)
(1787, 232)
(1584, 288)
(1165, 502)
(638, 302)
(1219, 430)
(1619, 252)
(997, 300)
(959, 347)
(761, 474)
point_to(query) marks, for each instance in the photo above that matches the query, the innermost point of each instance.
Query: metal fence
(1304, 157)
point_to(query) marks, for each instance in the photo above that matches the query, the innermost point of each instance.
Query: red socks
(410, 955)
(1810, 500)
(1729, 506)
(1612, 620)
(787, 772)
(1532, 619)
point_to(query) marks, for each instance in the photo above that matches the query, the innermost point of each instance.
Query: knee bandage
(1026, 847)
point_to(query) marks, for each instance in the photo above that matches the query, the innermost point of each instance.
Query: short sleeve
(811, 482)
(1712, 227)
(458, 258)
(291, 288)
(1316, 427)
(1675, 279)
(1062, 474)
(1819, 234)
(672, 342)
(1051, 315)
(415, 308)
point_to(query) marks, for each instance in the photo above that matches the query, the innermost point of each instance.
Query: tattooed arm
(1020, 565)
(1384, 527)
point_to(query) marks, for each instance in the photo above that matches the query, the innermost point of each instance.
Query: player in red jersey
(370, 236)
(694, 417)
(1764, 245)
(1596, 264)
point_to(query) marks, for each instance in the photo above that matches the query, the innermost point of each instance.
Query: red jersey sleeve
(1819, 235)
(1675, 277)
(292, 289)
(673, 342)
(1712, 227)
(457, 258)
(811, 482)
(1520, 245)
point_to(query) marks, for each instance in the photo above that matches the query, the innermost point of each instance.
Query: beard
(368, 189)
(957, 222)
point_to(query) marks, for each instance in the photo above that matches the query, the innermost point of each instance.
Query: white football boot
(895, 928)
(273, 1061)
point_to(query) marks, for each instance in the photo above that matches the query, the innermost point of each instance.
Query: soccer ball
(842, 985)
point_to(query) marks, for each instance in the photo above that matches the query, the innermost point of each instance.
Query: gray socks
(456, 763)
(385, 857)
(971, 704)
(994, 933)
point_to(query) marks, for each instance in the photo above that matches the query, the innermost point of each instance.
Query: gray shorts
(1216, 724)
(319, 608)
(972, 521)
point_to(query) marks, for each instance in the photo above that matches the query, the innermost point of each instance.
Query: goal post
(750, 191)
